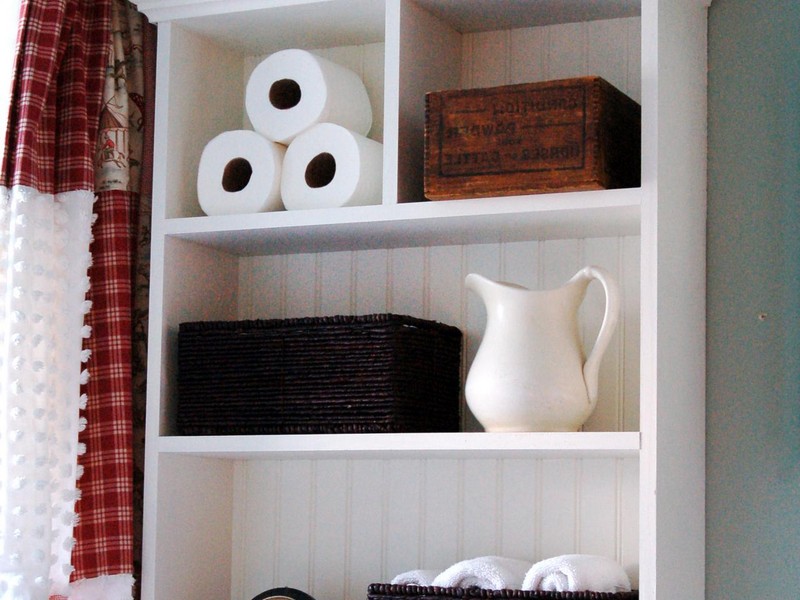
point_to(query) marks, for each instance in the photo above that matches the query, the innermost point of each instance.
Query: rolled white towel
(577, 573)
(487, 572)
(415, 577)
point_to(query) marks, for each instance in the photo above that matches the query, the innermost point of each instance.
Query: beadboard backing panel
(331, 527)
(429, 283)
(608, 48)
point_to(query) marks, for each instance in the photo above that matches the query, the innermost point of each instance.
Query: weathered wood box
(554, 136)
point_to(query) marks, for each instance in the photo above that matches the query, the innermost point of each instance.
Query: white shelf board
(486, 220)
(407, 445)
(261, 26)
(509, 14)
(265, 26)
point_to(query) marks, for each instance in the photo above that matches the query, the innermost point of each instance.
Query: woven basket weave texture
(385, 591)
(341, 374)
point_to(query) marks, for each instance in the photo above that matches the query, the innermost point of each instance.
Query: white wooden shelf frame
(226, 516)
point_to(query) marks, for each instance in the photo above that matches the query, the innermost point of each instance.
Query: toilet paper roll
(239, 173)
(292, 90)
(330, 166)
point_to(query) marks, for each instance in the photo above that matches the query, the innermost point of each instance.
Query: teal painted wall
(753, 449)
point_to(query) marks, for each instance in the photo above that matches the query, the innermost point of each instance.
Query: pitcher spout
(479, 284)
(485, 287)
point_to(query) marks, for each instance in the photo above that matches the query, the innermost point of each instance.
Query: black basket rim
(420, 591)
(367, 319)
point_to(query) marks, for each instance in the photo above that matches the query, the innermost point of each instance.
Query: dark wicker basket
(343, 374)
(385, 591)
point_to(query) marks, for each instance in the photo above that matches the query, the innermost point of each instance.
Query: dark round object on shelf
(283, 593)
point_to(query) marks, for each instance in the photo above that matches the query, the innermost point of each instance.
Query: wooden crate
(565, 135)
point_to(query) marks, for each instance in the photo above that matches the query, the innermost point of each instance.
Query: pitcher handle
(591, 367)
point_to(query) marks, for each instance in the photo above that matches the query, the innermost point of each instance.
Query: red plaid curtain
(56, 97)
(105, 535)
(73, 69)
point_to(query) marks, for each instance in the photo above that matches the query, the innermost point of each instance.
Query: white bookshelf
(230, 516)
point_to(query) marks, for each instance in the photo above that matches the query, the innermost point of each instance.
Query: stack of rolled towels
(564, 573)
(308, 147)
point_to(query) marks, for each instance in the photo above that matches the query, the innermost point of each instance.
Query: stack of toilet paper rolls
(308, 149)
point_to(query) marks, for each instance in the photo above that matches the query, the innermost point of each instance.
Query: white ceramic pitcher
(529, 373)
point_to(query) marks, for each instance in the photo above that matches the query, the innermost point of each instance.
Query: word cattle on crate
(556, 136)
